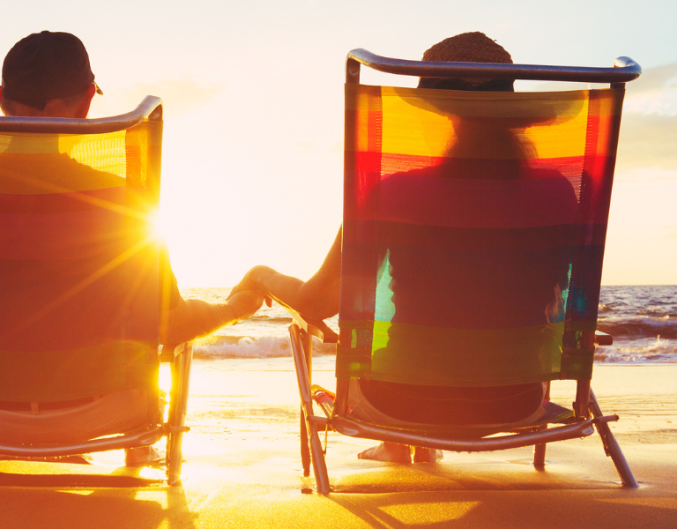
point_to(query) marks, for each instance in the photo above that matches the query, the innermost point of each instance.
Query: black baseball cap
(44, 66)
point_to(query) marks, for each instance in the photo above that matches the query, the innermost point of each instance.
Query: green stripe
(415, 354)
(353, 362)
(577, 363)
(76, 373)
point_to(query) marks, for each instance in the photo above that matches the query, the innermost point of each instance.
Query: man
(318, 298)
(49, 75)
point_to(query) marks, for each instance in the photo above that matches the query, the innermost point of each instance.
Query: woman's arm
(315, 299)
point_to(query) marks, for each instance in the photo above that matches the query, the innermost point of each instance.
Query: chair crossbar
(624, 70)
(146, 438)
(149, 108)
(560, 433)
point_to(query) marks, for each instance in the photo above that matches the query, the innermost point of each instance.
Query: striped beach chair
(473, 237)
(80, 288)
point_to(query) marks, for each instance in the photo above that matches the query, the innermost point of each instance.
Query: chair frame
(588, 416)
(150, 108)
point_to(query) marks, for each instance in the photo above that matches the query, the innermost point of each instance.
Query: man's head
(468, 47)
(47, 74)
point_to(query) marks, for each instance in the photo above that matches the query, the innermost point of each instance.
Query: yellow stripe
(71, 144)
(50, 163)
(423, 122)
(547, 127)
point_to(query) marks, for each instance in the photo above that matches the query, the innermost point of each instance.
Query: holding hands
(246, 302)
(248, 283)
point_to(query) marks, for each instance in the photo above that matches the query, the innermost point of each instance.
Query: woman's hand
(250, 282)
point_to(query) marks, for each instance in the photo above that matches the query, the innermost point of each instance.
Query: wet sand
(242, 469)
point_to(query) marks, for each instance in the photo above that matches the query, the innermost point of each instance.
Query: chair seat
(124, 411)
(550, 413)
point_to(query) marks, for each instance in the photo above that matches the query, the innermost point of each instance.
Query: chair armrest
(602, 338)
(169, 356)
(316, 328)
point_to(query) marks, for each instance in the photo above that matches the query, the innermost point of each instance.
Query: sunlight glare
(158, 223)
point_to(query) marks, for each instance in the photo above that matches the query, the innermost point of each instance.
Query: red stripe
(65, 236)
(388, 234)
(479, 168)
(416, 198)
(62, 202)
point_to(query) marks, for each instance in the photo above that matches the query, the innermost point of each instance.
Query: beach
(243, 468)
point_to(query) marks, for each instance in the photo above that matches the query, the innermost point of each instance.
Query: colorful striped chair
(80, 288)
(473, 236)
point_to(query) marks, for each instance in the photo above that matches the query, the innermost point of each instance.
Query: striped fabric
(473, 235)
(79, 300)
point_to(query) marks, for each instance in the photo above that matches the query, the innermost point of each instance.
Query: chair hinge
(167, 428)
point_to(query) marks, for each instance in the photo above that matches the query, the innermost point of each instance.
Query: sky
(253, 94)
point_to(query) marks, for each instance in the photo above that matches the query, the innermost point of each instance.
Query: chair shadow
(450, 495)
(117, 500)
(449, 476)
(477, 509)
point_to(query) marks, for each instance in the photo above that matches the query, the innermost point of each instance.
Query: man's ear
(83, 107)
(2, 102)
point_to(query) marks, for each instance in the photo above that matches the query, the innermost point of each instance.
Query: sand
(243, 469)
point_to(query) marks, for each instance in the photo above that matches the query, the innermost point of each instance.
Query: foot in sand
(427, 455)
(143, 456)
(387, 452)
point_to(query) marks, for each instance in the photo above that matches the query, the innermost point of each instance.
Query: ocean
(642, 320)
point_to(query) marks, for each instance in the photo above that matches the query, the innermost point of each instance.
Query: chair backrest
(79, 264)
(474, 230)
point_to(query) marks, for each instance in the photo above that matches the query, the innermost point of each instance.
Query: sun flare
(158, 224)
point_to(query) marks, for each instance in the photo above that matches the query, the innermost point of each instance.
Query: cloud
(656, 78)
(648, 141)
(179, 96)
(652, 79)
(649, 125)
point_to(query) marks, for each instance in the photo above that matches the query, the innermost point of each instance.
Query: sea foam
(642, 321)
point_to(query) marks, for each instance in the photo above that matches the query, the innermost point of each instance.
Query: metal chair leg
(301, 365)
(319, 464)
(611, 446)
(305, 450)
(539, 449)
(178, 413)
(539, 456)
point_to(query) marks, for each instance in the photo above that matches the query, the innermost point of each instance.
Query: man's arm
(193, 318)
(315, 299)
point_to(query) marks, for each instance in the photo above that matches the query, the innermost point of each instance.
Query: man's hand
(193, 318)
(245, 303)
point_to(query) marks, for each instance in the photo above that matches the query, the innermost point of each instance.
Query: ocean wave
(251, 347)
(268, 319)
(651, 350)
(657, 351)
(640, 327)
